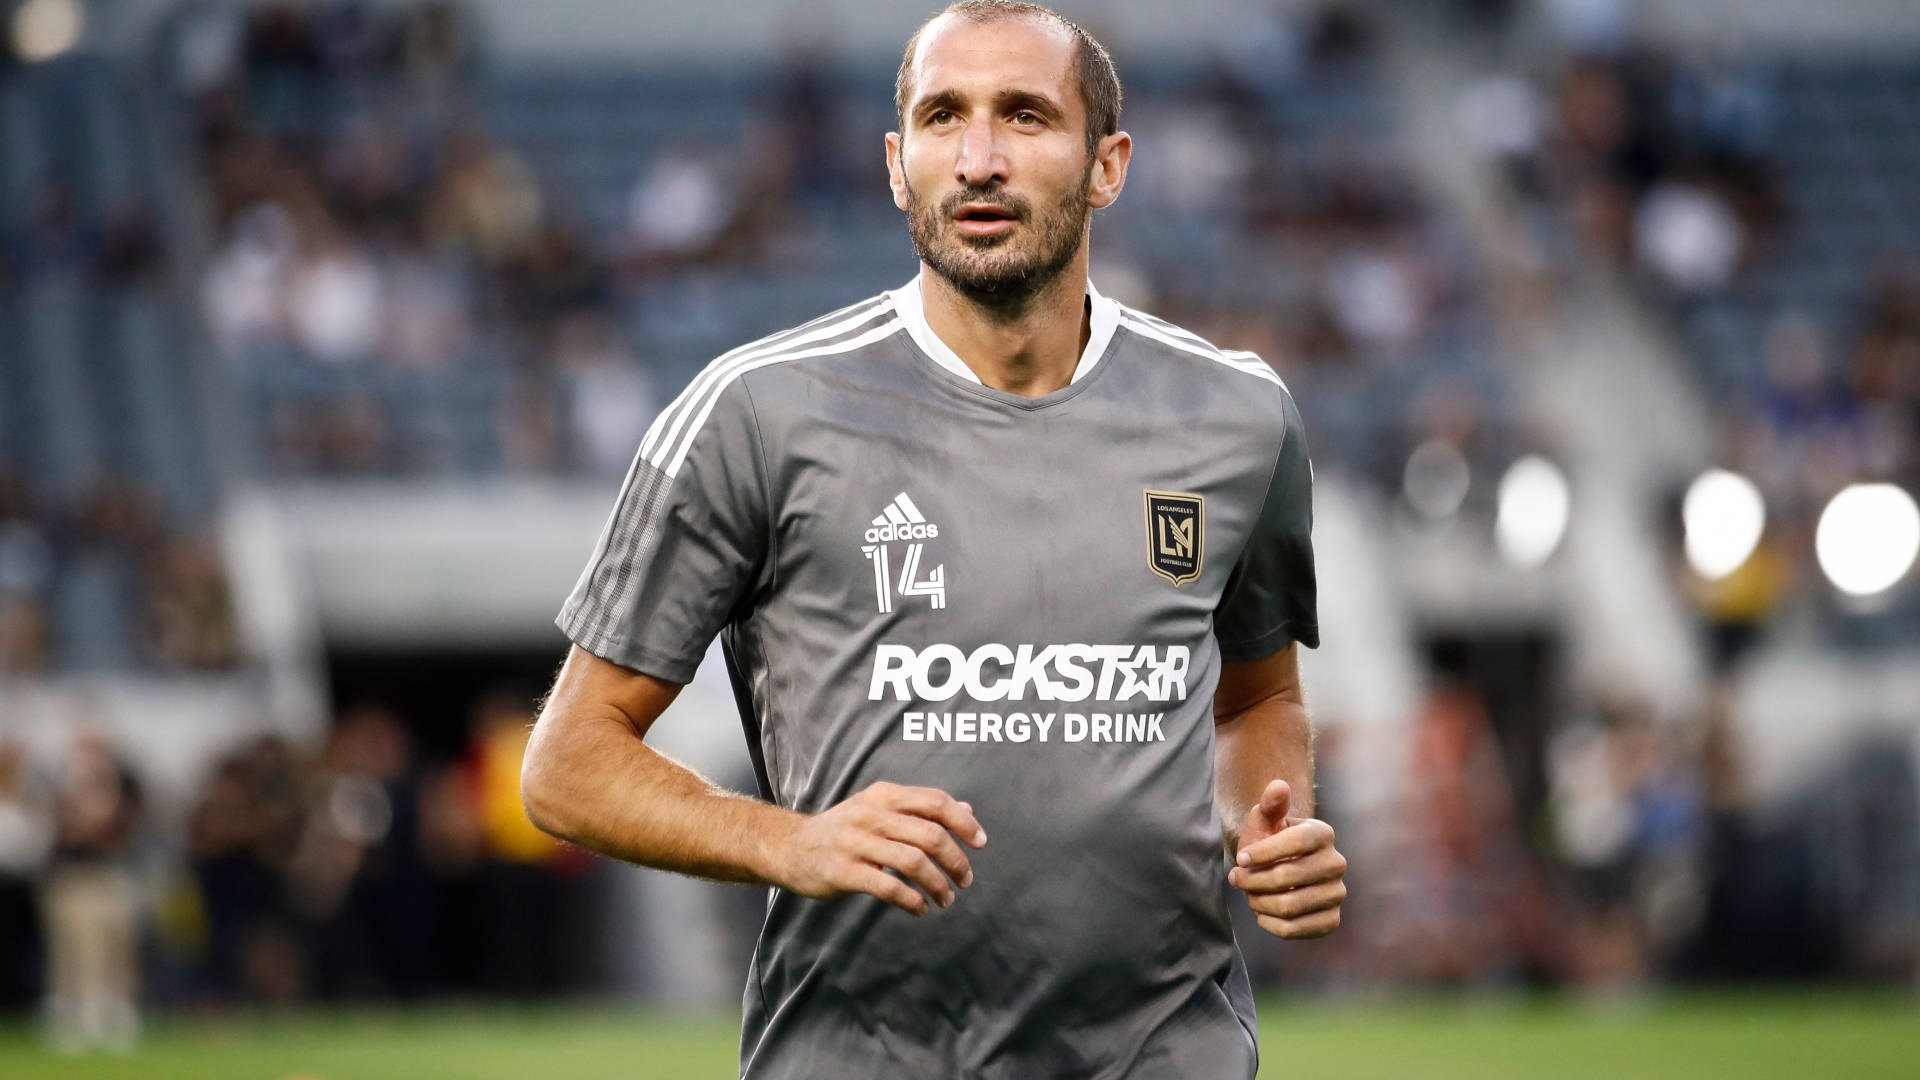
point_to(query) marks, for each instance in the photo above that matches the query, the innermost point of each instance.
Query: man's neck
(1033, 353)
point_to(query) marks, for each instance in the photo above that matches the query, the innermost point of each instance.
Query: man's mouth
(984, 219)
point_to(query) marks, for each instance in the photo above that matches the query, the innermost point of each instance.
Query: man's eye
(940, 117)
(1025, 118)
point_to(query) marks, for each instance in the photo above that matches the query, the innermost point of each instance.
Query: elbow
(537, 795)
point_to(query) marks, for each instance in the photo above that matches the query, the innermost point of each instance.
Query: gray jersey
(1022, 601)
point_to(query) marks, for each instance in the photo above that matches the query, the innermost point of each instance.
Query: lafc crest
(1176, 535)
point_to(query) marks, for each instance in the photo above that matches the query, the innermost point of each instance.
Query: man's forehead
(1016, 52)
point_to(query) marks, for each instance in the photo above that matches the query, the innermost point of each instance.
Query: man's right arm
(590, 778)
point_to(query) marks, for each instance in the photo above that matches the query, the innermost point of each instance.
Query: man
(982, 550)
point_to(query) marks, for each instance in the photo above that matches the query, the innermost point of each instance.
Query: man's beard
(1003, 273)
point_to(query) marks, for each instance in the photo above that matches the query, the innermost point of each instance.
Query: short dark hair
(1093, 67)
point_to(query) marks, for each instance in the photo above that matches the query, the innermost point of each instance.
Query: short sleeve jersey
(1022, 601)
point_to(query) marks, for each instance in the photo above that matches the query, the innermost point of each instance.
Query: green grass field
(1749, 1036)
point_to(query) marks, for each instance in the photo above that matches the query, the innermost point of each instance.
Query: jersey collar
(1104, 318)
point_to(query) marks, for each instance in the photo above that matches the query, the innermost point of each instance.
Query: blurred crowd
(1273, 208)
(361, 868)
(367, 227)
(1611, 853)
(376, 243)
(1828, 409)
(108, 584)
(1639, 160)
(1667, 169)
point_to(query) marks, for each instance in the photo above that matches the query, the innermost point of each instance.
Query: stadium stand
(1765, 207)
(600, 246)
(102, 429)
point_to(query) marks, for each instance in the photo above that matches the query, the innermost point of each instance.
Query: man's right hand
(850, 848)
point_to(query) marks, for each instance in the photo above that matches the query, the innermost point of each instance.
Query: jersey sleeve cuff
(577, 623)
(1259, 648)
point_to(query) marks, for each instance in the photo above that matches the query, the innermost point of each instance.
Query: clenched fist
(850, 848)
(1289, 868)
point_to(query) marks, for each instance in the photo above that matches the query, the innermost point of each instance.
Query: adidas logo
(901, 521)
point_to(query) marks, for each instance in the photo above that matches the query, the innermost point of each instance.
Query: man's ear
(1110, 160)
(896, 171)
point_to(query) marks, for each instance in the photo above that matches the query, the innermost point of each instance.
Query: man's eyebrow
(945, 99)
(1009, 100)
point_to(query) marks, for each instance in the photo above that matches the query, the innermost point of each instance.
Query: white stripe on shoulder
(745, 364)
(1243, 361)
(1254, 358)
(673, 416)
(1159, 323)
(667, 426)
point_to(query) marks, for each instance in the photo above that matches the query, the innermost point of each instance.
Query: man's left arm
(1284, 858)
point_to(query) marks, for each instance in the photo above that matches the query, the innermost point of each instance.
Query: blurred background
(328, 329)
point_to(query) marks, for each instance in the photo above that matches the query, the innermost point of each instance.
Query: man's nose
(981, 161)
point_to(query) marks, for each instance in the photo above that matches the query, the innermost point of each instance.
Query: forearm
(592, 781)
(1266, 741)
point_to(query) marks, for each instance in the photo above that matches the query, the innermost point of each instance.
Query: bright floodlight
(1724, 516)
(1436, 479)
(1867, 538)
(1534, 505)
(43, 29)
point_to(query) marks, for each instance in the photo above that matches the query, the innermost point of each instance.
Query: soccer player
(990, 554)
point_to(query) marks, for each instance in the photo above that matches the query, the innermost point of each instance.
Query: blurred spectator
(1503, 116)
(610, 398)
(680, 208)
(246, 280)
(806, 112)
(485, 203)
(26, 577)
(240, 838)
(189, 610)
(1593, 820)
(1376, 296)
(1736, 608)
(90, 903)
(26, 836)
(1630, 816)
(423, 312)
(334, 299)
(357, 875)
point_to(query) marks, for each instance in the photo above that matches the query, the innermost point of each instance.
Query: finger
(1289, 843)
(1325, 864)
(1295, 903)
(912, 862)
(936, 805)
(1275, 800)
(1318, 924)
(874, 881)
(933, 839)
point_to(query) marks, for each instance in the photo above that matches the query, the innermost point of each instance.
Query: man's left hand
(1289, 868)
